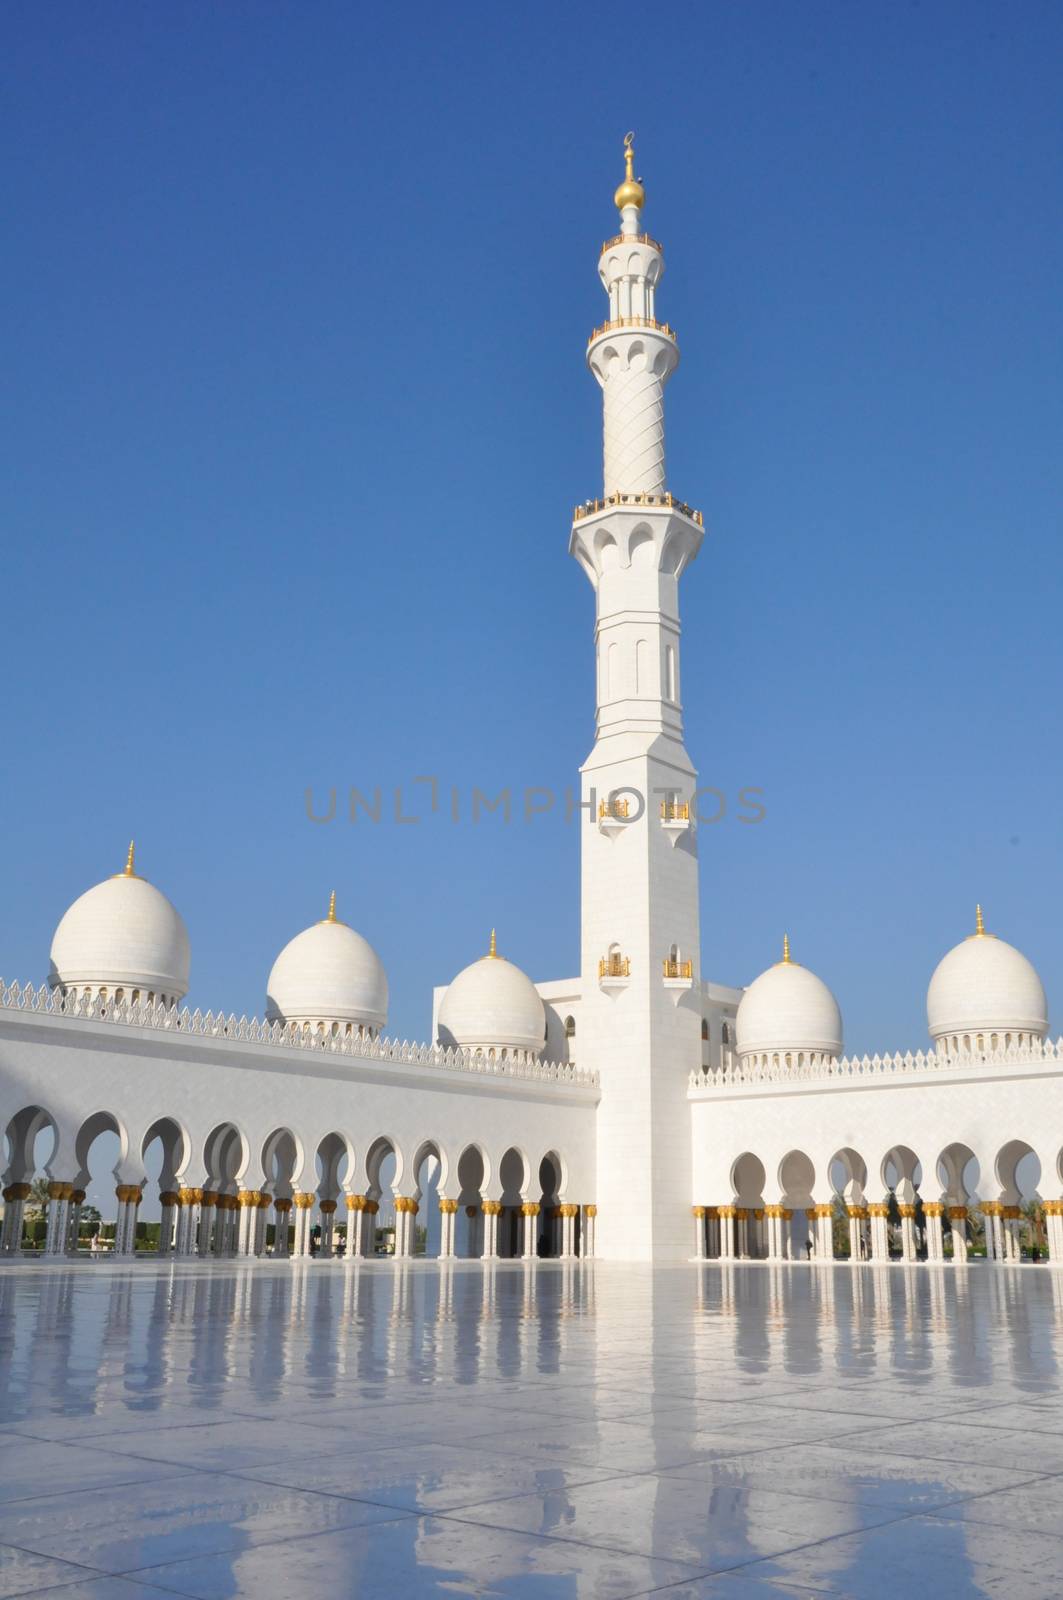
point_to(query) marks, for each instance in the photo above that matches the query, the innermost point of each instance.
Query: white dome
(788, 1009)
(493, 1005)
(122, 934)
(985, 985)
(328, 973)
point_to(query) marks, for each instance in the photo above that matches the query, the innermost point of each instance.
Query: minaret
(640, 1020)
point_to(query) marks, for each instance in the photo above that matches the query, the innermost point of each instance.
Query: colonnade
(734, 1232)
(203, 1223)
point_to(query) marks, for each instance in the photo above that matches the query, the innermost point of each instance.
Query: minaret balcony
(613, 816)
(675, 818)
(614, 972)
(618, 324)
(632, 238)
(590, 508)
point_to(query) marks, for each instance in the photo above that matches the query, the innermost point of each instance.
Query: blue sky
(296, 413)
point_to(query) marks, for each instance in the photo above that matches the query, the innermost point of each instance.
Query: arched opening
(513, 1175)
(797, 1180)
(164, 1152)
(334, 1164)
(902, 1173)
(428, 1174)
(1023, 1227)
(548, 1243)
(847, 1174)
(748, 1236)
(100, 1147)
(32, 1145)
(383, 1172)
(282, 1162)
(472, 1175)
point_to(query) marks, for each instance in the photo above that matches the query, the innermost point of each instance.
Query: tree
(37, 1202)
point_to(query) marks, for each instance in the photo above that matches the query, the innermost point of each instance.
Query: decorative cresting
(216, 1025)
(1038, 1052)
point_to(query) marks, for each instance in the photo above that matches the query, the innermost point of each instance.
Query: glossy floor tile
(219, 1430)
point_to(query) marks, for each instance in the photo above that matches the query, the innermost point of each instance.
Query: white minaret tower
(640, 1018)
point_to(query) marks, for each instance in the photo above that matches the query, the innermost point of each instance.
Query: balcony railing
(614, 967)
(675, 811)
(633, 238)
(620, 809)
(589, 507)
(678, 969)
(634, 322)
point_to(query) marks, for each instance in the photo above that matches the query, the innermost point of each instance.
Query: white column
(935, 1238)
(245, 1227)
(169, 1210)
(372, 1210)
(355, 1223)
(880, 1249)
(568, 1232)
(856, 1232)
(1054, 1221)
(698, 1213)
(1011, 1223)
(491, 1211)
(727, 1233)
(15, 1197)
(590, 1231)
(128, 1196)
(908, 1251)
(448, 1211)
(529, 1225)
(59, 1195)
(960, 1236)
(303, 1206)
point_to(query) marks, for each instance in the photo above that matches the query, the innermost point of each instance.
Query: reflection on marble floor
(584, 1431)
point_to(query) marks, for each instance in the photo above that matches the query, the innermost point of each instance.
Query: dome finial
(630, 192)
(492, 948)
(331, 907)
(130, 870)
(786, 950)
(979, 923)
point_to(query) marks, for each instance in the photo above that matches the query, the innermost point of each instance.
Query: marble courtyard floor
(592, 1432)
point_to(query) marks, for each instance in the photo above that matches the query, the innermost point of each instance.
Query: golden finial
(979, 923)
(786, 950)
(630, 192)
(129, 870)
(492, 948)
(331, 907)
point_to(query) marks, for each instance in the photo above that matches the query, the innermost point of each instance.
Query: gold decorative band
(18, 1191)
(356, 1202)
(128, 1193)
(592, 1211)
(493, 1208)
(283, 1206)
(448, 1207)
(957, 1213)
(170, 1197)
(933, 1208)
(327, 1207)
(878, 1208)
(303, 1202)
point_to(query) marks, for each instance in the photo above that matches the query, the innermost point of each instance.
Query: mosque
(635, 1112)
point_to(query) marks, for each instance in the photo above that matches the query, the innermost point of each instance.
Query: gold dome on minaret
(630, 192)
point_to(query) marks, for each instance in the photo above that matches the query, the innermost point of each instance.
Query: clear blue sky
(295, 413)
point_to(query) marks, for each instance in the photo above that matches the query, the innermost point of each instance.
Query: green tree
(37, 1203)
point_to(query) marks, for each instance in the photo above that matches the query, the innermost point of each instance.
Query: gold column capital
(327, 1207)
(356, 1202)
